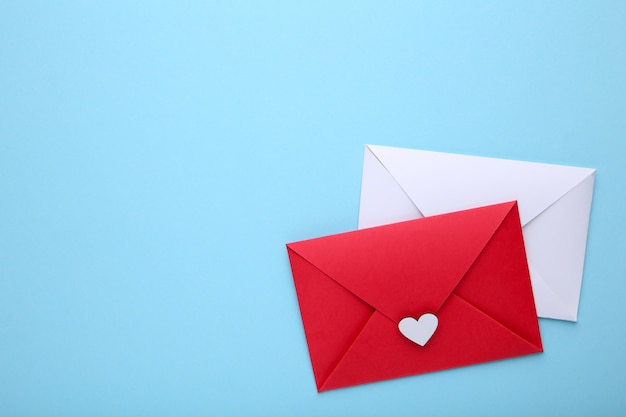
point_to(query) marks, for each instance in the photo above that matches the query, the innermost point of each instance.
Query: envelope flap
(408, 267)
(439, 182)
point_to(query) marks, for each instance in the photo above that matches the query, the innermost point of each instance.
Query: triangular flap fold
(556, 245)
(383, 201)
(323, 301)
(498, 283)
(440, 182)
(465, 336)
(409, 267)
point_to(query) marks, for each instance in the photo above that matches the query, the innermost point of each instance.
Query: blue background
(155, 157)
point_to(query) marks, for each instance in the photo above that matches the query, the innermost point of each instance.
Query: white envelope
(554, 203)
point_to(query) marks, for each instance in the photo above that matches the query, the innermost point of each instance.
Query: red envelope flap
(406, 267)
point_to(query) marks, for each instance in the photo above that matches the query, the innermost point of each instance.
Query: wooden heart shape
(419, 331)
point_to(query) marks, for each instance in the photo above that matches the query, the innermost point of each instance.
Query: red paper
(468, 267)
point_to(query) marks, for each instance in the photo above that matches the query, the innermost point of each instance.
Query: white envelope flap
(439, 182)
(555, 245)
(383, 200)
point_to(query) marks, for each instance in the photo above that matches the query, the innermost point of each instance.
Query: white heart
(419, 331)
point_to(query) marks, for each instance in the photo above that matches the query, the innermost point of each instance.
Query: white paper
(554, 202)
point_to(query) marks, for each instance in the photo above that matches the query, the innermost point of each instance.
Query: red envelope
(468, 268)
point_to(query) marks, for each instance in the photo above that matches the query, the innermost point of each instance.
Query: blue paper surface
(155, 157)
